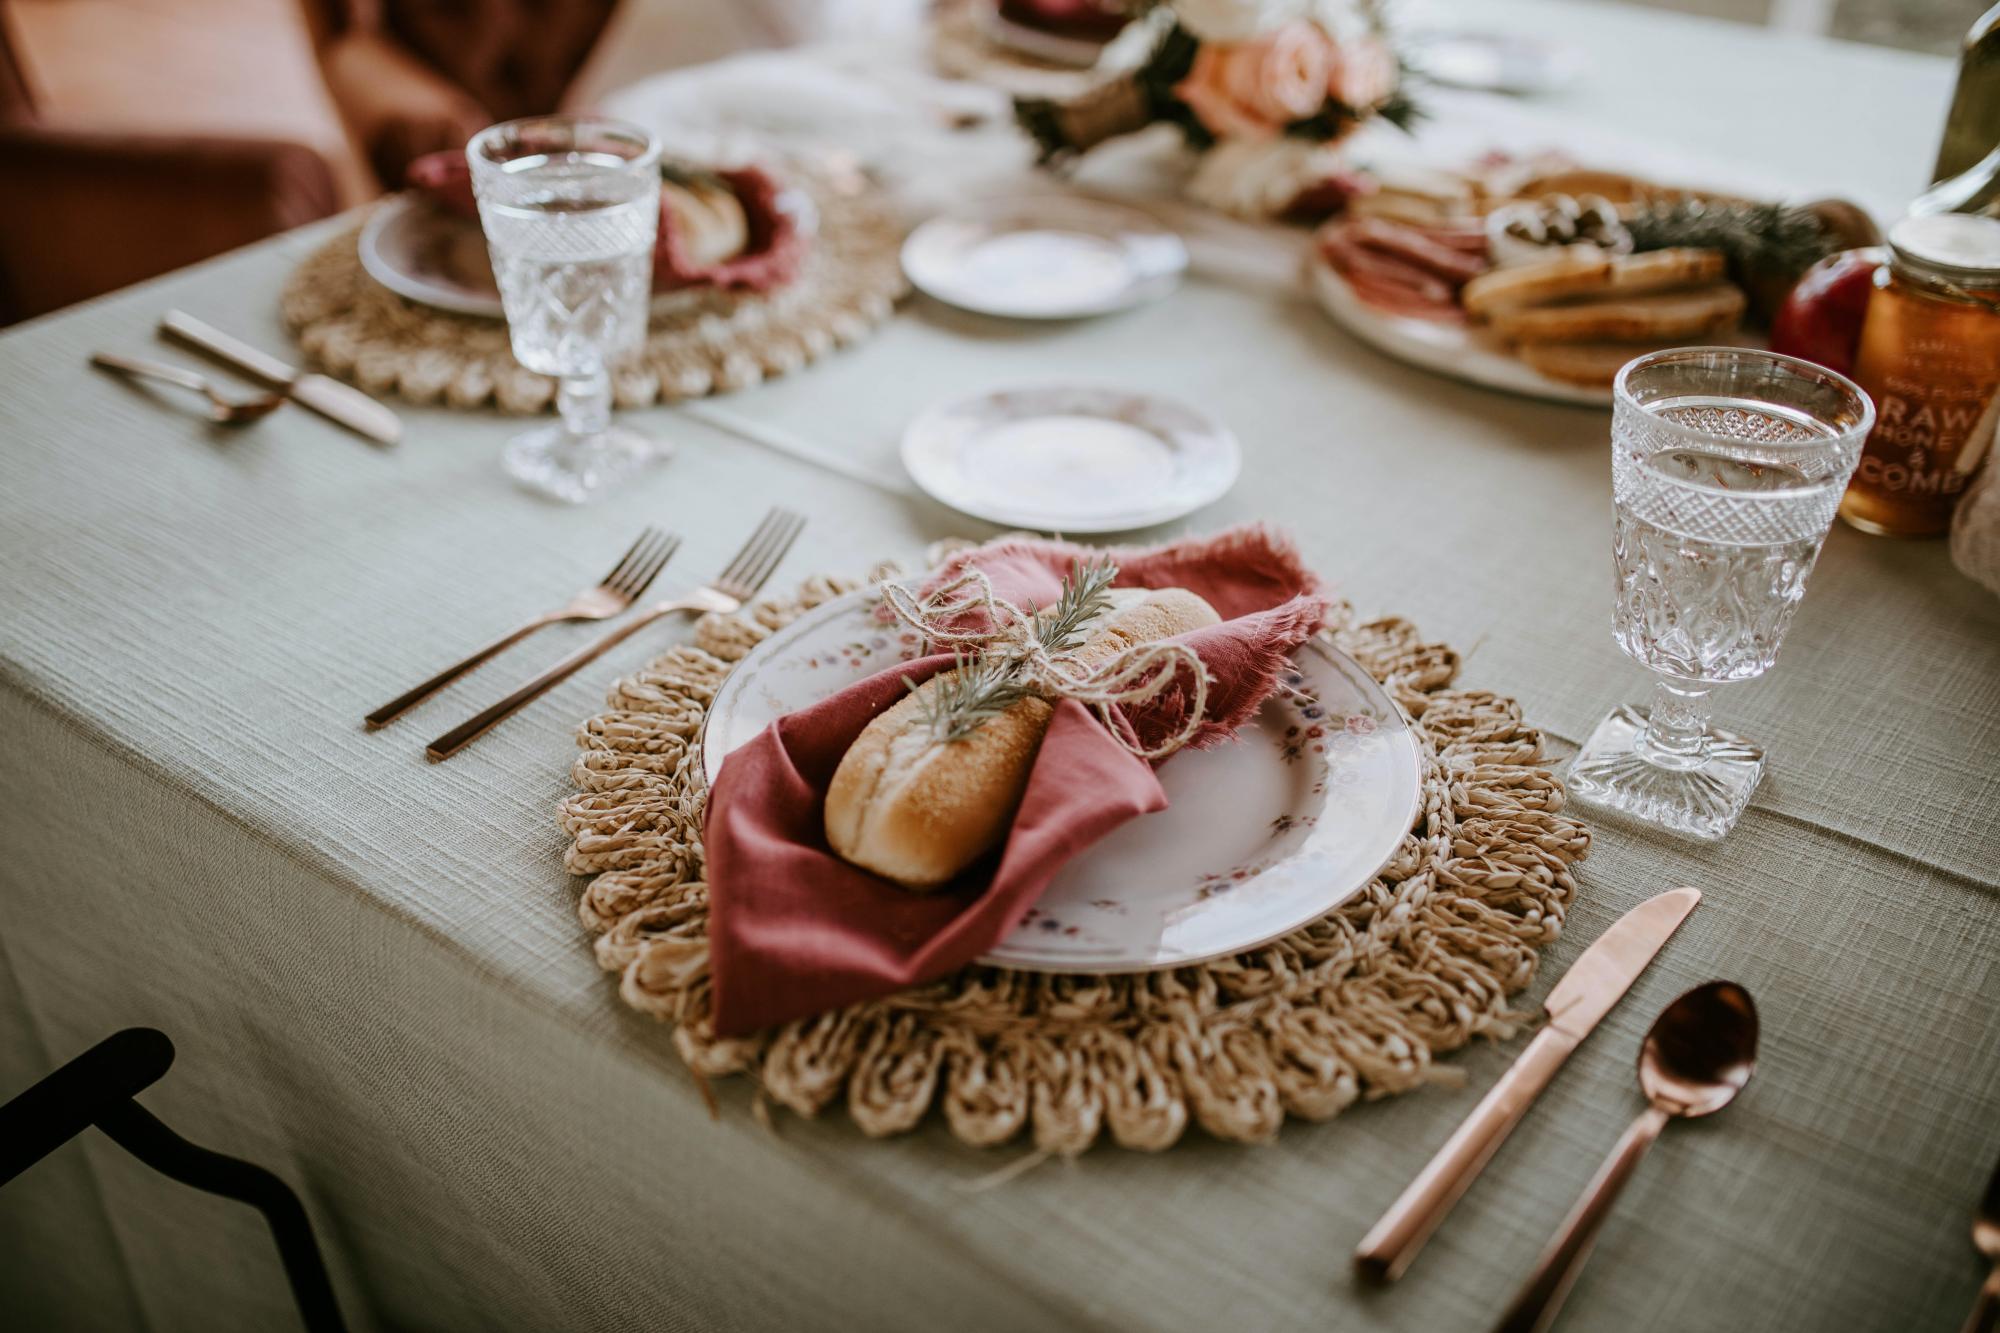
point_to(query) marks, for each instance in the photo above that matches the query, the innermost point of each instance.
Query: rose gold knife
(329, 397)
(1586, 993)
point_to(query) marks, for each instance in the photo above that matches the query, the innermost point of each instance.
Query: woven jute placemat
(700, 343)
(1357, 1004)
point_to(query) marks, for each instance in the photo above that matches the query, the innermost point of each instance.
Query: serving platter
(1457, 351)
(1262, 836)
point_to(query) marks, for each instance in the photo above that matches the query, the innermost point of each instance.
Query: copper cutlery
(222, 409)
(1700, 1053)
(1985, 1317)
(330, 398)
(1593, 984)
(739, 581)
(609, 596)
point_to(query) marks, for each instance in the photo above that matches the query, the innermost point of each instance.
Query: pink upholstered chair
(89, 211)
(412, 77)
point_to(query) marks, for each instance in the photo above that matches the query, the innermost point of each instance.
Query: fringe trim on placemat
(700, 342)
(1356, 1004)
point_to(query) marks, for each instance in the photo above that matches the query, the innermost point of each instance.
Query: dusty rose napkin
(794, 930)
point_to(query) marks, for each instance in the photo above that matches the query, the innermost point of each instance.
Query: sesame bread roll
(917, 811)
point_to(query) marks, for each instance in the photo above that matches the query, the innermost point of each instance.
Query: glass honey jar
(1930, 358)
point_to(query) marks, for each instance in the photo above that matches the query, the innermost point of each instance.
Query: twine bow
(1136, 675)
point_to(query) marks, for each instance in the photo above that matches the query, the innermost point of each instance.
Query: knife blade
(333, 400)
(1593, 984)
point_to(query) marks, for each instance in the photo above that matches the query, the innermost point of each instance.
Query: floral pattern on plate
(1264, 835)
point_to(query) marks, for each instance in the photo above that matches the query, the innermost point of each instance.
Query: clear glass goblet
(1726, 467)
(571, 208)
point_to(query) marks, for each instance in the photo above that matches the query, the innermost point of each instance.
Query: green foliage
(1086, 595)
(973, 693)
(1757, 238)
(979, 689)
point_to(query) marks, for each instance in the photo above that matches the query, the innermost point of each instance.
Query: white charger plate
(1071, 458)
(1053, 257)
(1262, 837)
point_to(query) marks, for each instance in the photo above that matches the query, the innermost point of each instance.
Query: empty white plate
(1046, 258)
(1071, 458)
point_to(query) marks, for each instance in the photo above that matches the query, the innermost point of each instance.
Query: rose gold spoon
(222, 410)
(1700, 1053)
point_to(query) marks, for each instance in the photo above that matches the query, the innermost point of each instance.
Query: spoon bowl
(222, 409)
(1701, 1051)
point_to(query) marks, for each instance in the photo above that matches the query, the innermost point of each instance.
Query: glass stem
(1676, 734)
(585, 403)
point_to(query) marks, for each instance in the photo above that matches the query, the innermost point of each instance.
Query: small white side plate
(1263, 835)
(1071, 458)
(1046, 258)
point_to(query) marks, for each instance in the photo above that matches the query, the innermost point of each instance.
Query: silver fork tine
(644, 578)
(733, 571)
(620, 580)
(738, 583)
(608, 580)
(787, 531)
(774, 553)
(609, 596)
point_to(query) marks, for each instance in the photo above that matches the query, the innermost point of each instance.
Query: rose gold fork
(625, 584)
(739, 581)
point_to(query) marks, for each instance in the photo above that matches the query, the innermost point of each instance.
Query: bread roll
(917, 811)
(1594, 364)
(1569, 277)
(1656, 315)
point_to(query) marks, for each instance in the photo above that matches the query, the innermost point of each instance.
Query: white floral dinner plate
(1071, 458)
(1046, 258)
(1263, 836)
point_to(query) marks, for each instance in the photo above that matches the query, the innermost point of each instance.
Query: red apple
(1821, 320)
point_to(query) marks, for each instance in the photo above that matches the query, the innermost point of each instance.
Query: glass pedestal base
(1699, 795)
(579, 468)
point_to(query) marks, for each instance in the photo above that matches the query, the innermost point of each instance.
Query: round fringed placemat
(1356, 1004)
(706, 342)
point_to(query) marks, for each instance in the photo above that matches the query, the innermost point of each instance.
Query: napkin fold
(795, 931)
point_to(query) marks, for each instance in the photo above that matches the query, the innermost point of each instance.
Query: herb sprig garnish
(980, 688)
(1086, 595)
(977, 690)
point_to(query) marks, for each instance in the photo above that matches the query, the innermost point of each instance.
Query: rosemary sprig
(977, 690)
(1086, 595)
(980, 688)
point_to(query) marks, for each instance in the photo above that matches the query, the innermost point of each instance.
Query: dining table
(373, 973)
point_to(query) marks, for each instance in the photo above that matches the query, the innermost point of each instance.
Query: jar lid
(1955, 248)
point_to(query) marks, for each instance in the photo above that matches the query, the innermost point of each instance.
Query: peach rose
(1251, 90)
(1363, 73)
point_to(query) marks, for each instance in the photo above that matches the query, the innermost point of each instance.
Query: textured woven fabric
(374, 974)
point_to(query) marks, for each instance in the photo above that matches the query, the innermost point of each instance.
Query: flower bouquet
(1263, 89)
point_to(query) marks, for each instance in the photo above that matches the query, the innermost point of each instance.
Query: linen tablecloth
(373, 972)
